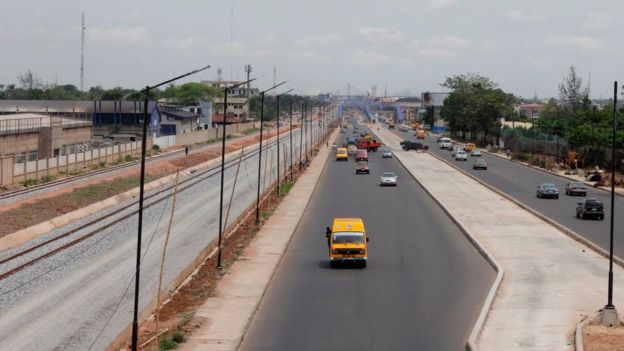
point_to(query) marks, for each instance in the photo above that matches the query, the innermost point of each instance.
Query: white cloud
(319, 40)
(523, 16)
(582, 42)
(382, 34)
(118, 35)
(266, 40)
(436, 4)
(538, 61)
(370, 58)
(309, 55)
(597, 21)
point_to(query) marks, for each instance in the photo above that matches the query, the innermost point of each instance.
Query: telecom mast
(82, 43)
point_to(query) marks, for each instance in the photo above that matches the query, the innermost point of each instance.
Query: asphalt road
(520, 182)
(422, 290)
(66, 300)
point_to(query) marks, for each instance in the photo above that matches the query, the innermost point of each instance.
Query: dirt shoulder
(33, 211)
(600, 338)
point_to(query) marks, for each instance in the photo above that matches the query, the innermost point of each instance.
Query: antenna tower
(82, 43)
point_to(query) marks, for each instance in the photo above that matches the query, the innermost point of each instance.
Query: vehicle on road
(350, 141)
(445, 143)
(351, 149)
(387, 154)
(576, 188)
(368, 143)
(413, 145)
(388, 178)
(475, 153)
(461, 156)
(590, 208)
(420, 134)
(546, 190)
(403, 127)
(479, 164)
(362, 167)
(470, 147)
(456, 149)
(347, 241)
(361, 155)
(343, 130)
(341, 154)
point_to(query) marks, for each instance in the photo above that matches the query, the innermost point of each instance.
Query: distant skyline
(525, 46)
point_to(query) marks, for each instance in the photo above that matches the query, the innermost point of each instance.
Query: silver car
(475, 153)
(387, 154)
(388, 178)
(547, 190)
(461, 156)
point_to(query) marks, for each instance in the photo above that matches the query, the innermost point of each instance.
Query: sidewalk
(227, 314)
(550, 280)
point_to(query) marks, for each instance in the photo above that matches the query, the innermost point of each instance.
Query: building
(237, 106)
(239, 91)
(31, 136)
(178, 121)
(410, 107)
(529, 110)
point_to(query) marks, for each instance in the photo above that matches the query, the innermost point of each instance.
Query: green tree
(190, 93)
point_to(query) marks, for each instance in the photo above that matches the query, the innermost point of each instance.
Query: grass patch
(30, 182)
(167, 343)
(47, 178)
(178, 337)
(285, 188)
(129, 158)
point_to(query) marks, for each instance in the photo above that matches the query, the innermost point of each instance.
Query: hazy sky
(524, 45)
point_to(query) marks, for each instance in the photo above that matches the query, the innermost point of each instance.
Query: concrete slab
(551, 280)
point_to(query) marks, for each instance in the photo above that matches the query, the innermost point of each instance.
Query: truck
(368, 144)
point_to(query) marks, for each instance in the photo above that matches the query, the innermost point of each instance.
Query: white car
(475, 153)
(387, 154)
(461, 156)
(456, 149)
(446, 143)
(388, 178)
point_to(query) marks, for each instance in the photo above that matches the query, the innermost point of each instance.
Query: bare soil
(600, 338)
(38, 209)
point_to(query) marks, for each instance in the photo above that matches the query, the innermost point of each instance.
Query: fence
(11, 172)
(202, 136)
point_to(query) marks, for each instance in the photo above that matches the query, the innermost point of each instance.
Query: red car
(361, 155)
(362, 167)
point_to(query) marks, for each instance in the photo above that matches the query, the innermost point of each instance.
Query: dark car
(362, 167)
(479, 164)
(576, 188)
(547, 190)
(590, 208)
(413, 145)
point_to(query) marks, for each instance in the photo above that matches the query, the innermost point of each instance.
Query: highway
(66, 300)
(520, 182)
(422, 289)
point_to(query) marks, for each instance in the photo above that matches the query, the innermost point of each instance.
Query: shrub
(178, 337)
(166, 343)
(29, 182)
(47, 178)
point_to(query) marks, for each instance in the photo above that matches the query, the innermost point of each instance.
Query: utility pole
(82, 44)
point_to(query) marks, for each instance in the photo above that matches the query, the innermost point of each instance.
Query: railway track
(152, 199)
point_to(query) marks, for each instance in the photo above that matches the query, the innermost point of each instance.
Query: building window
(32, 156)
(20, 158)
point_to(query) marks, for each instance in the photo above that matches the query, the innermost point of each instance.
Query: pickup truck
(368, 145)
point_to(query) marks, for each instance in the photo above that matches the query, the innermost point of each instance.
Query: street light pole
(221, 229)
(609, 314)
(260, 149)
(277, 98)
(301, 128)
(290, 153)
(135, 318)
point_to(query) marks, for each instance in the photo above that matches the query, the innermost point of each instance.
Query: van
(445, 143)
(420, 134)
(469, 147)
(347, 241)
(341, 154)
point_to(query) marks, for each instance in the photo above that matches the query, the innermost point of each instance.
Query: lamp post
(301, 129)
(135, 318)
(533, 132)
(221, 229)
(290, 154)
(278, 137)
(260, 149)
(609, 314)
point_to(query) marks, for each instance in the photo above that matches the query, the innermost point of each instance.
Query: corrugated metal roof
(179, 114)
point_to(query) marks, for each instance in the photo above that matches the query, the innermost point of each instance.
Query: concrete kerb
(578, 333)
(591, 245)
(471, 345)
